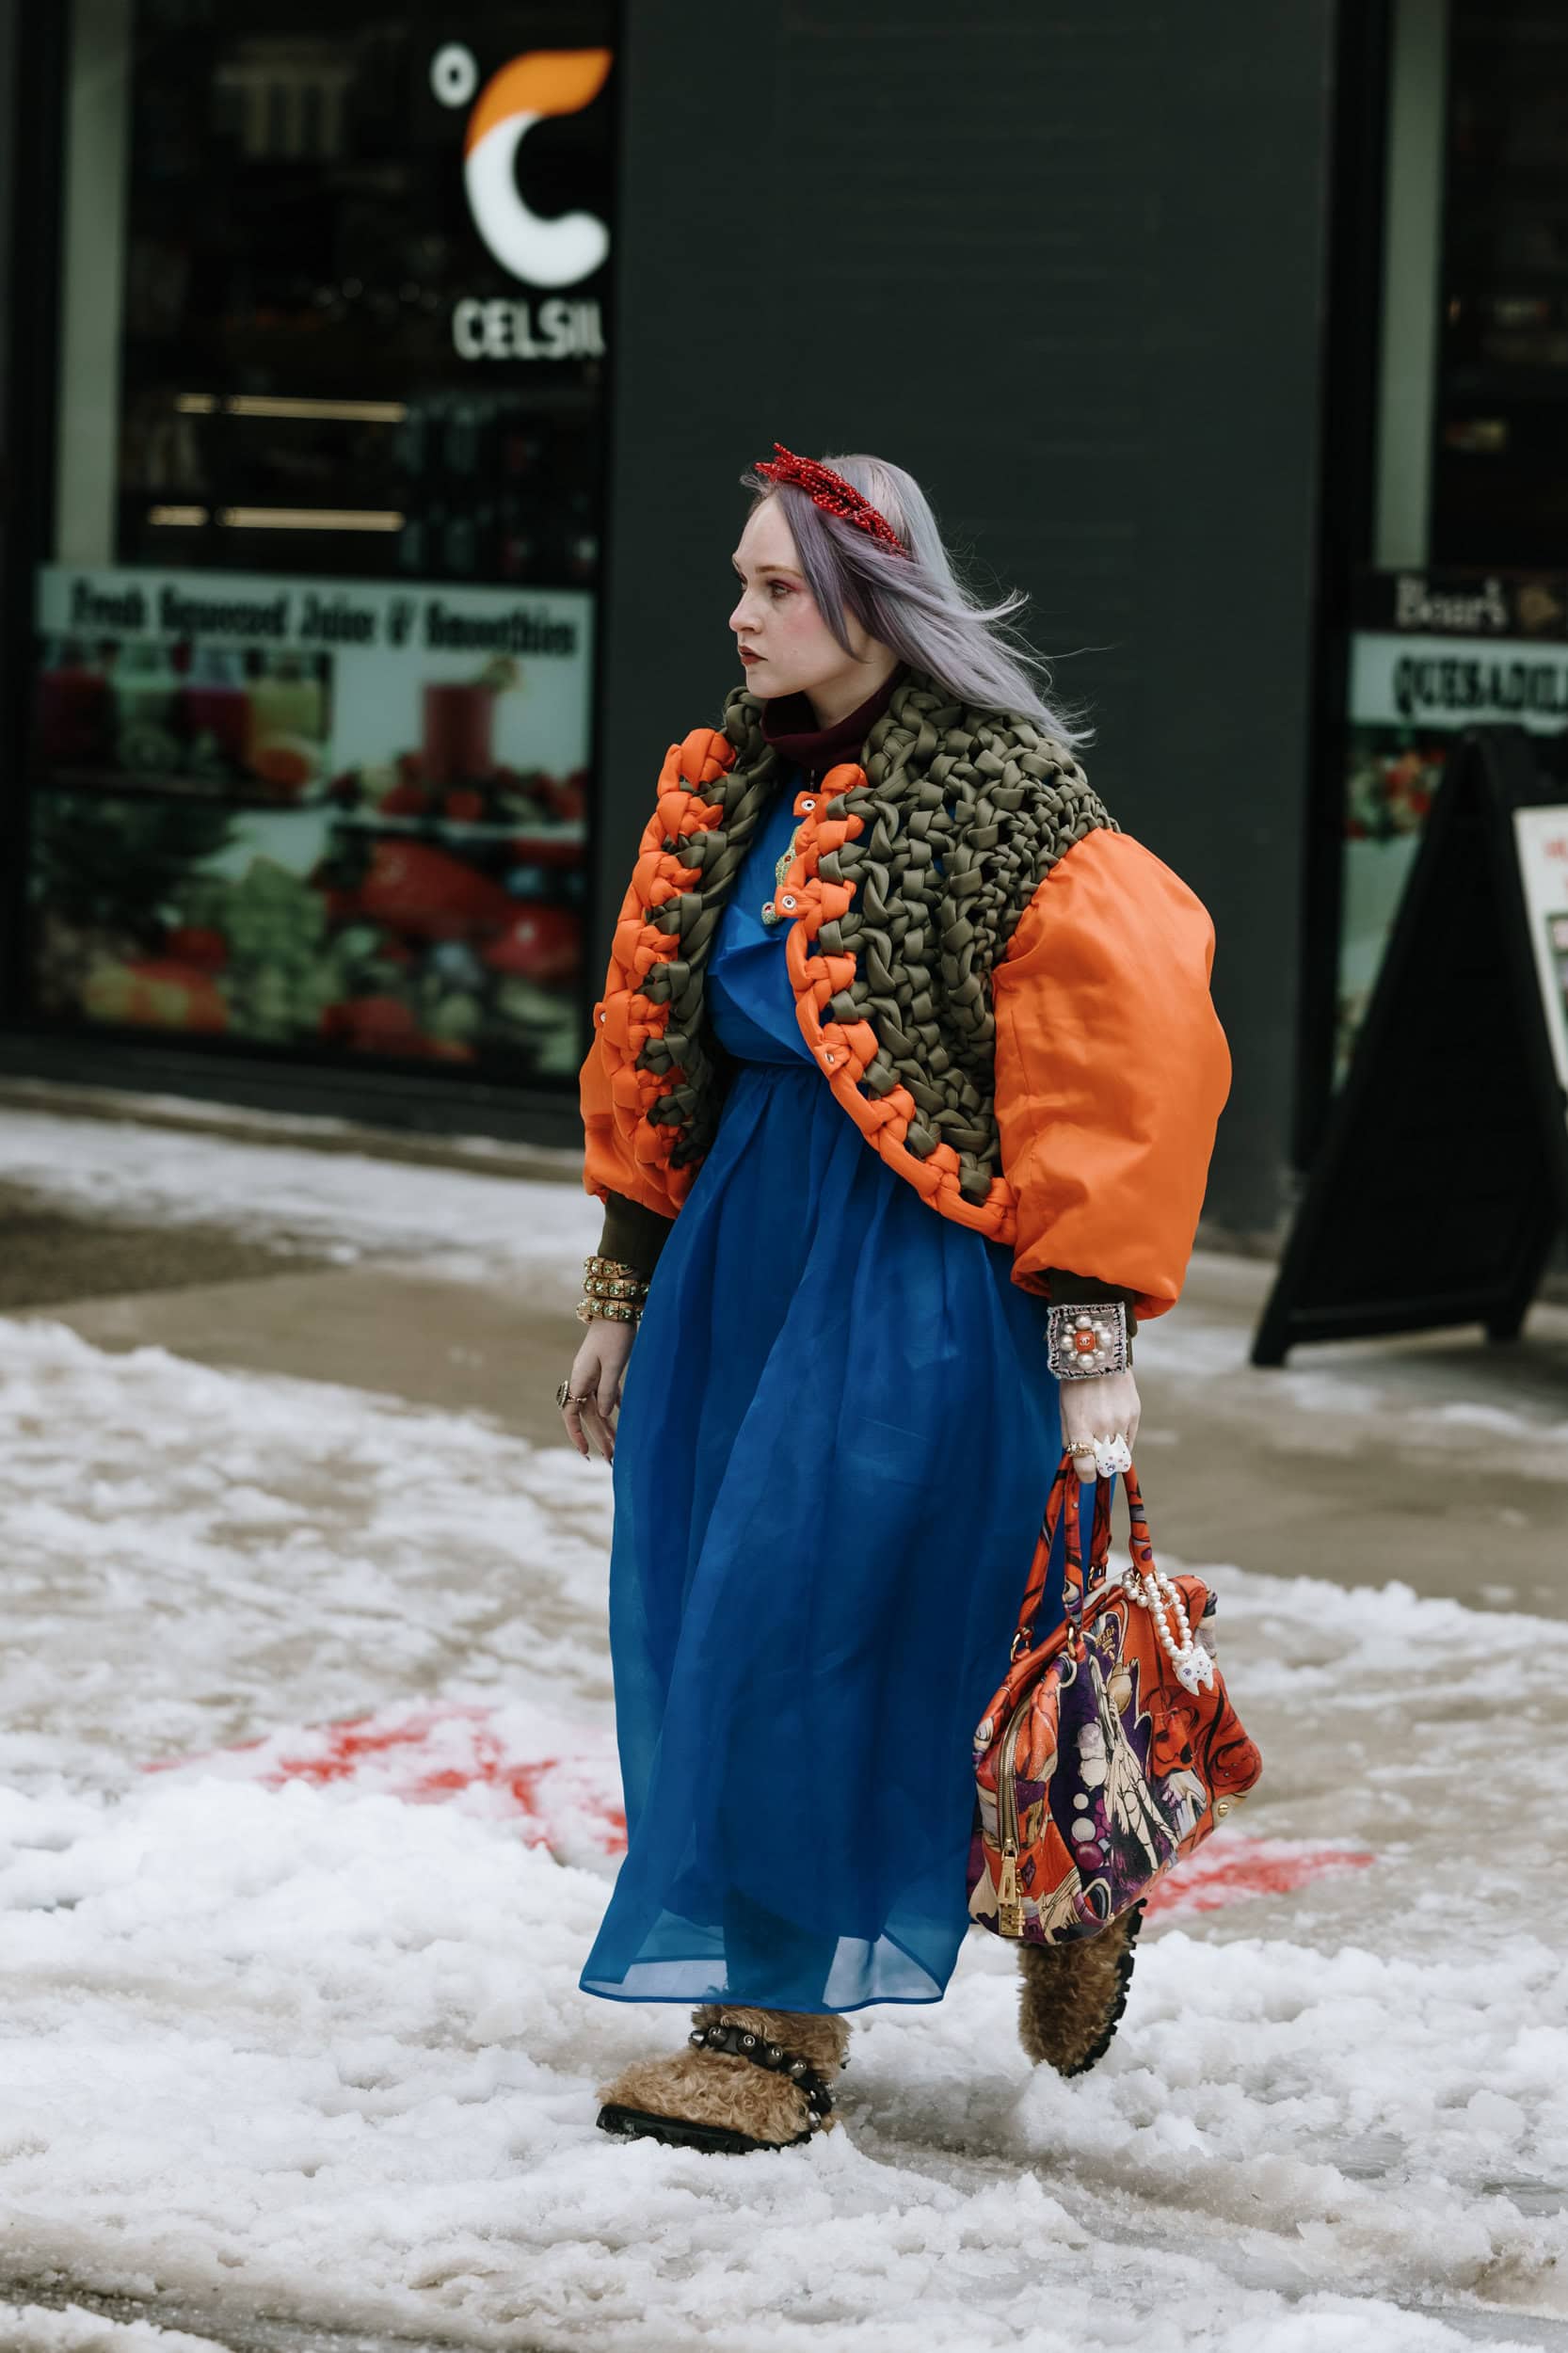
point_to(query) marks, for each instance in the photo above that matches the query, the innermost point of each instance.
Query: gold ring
(1083, 1445)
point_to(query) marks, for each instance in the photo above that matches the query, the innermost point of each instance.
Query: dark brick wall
(1063, 262)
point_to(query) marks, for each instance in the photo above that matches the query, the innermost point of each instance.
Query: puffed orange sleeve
(610, 1166)
(1112, 1070)
(623, 1162)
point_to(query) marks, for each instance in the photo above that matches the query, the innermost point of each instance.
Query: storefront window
(310, 755)
(1500, 456)
(1463, 617)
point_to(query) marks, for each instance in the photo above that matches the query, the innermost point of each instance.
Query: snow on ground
(37, 2329)
(286, 2044)
(346, 1203)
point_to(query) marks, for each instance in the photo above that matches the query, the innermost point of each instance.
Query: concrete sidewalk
(1440, 1460)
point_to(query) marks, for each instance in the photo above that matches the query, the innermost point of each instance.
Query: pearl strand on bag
(1154, 1591)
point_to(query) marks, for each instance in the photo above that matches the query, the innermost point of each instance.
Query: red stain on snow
(430, 1754)
(557, 1798)
(1229, 1868)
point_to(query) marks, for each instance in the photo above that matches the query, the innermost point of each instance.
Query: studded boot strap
(776, 2058)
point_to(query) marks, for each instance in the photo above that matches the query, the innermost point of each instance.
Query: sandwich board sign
(1442, 1182)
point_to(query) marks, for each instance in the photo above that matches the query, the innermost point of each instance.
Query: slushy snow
(276, 2043)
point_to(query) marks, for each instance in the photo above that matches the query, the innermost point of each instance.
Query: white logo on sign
(540, 83)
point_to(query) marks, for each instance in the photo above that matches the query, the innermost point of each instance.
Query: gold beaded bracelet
(614, 1290)
(597, 1270)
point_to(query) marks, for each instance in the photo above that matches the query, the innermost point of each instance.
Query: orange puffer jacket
(1110, 1066)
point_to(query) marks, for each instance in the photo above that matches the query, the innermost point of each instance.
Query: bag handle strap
(1081, 1581)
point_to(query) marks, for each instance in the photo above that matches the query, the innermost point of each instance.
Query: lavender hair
(916, 604)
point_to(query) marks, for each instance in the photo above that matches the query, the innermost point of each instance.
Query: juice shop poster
(276, 691)
(343, 814)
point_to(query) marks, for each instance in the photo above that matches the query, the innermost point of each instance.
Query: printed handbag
(1110, 1748)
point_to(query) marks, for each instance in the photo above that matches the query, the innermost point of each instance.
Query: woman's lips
(747, 656)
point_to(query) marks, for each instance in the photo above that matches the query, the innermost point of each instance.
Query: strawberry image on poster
(541, 943)
(426, 892)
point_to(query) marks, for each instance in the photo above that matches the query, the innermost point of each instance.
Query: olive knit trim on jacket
(636, 1235)
(631, 1232)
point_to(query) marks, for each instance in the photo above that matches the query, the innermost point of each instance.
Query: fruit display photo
(417, 897)
(245, 723)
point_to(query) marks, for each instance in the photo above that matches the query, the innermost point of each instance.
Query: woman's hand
(597, 1372)
(1098, 1407)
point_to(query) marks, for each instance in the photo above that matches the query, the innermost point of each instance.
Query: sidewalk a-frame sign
(1442, 1176)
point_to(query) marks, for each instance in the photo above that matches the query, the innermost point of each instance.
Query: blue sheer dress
(837, 1432)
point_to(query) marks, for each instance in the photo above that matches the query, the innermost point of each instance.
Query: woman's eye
(780, 588)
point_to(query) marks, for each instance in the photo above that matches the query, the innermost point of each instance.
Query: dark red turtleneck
(788, 724)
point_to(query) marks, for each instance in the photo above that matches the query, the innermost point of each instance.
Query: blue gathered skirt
(838, 1430)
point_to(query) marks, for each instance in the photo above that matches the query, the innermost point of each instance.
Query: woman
(882, 888)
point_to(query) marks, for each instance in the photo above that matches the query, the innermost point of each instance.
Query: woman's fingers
(573, 1421)
(597, 1426)
(599, 1408)
(1095, 1412)
(593, 1388)
(578, 1412)
(604, 1406)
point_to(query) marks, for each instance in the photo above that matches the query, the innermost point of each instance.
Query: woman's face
(786, 646)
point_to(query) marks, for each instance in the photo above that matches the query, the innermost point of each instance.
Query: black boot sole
(680, 2133)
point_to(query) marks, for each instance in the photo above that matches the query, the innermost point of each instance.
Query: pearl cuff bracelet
(1084, 1341)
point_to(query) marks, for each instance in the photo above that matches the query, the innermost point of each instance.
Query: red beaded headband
(831, 492)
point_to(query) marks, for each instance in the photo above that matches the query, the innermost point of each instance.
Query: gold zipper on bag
(1010, 1910)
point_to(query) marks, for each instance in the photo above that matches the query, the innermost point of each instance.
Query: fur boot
(708, 2096)
(1072, 1996)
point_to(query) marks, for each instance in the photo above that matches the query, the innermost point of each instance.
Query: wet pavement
(1440, 1459)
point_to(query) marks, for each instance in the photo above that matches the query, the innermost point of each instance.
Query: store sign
(539, 252)
(243, 609)
(1464, 604)
(1456, 682)
(499, 329)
